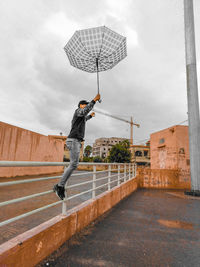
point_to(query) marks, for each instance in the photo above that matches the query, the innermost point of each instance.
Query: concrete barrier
(164, 179)
(31, 247)
(18, 144)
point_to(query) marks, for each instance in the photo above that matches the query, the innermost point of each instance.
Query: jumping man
(74, 140)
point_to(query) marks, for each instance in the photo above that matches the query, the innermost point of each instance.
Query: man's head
(82, 103)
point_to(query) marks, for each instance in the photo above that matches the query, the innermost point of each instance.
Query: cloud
(40, 89)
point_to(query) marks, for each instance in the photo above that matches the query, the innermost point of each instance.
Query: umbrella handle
(97, 64)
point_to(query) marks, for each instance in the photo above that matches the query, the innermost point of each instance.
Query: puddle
(182, 195)
(176, 224)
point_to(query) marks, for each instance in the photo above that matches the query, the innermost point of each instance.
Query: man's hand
(92, 114)
(97, 97)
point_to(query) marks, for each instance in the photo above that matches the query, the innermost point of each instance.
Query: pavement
(158, 228)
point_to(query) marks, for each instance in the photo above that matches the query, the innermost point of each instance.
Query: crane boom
(112, 116)
(117, 118)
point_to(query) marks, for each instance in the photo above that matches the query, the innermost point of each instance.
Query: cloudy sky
(40, 89)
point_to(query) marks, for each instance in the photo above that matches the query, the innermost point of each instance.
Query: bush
(87, 159)
(97, 159)
(120, 152)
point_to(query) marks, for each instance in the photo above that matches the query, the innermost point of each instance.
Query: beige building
(170, 149)
(103, 145)
(140, 154)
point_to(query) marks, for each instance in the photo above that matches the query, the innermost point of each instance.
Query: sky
(40, 90)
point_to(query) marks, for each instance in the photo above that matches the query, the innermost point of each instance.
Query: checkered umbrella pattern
(96, 49)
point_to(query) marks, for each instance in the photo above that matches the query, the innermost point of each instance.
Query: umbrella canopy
(96, 49)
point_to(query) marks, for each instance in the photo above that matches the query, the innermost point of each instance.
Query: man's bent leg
(74, 150)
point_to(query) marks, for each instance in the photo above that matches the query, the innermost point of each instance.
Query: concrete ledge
(31, 247)
(164, 179)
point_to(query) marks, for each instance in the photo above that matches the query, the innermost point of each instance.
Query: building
(170, 149)
(18, 144)
(103, 145)
(140, 154)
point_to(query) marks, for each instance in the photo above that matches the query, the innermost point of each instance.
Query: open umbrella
(96, 49)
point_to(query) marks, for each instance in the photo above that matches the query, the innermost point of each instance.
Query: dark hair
(82, 102)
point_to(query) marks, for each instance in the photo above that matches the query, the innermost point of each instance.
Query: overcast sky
(40, 89)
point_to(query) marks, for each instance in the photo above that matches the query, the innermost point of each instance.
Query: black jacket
(78, 121)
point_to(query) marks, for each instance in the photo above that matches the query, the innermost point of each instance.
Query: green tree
(87, 151)
(87, 159)
(120, 152)
(97, 159)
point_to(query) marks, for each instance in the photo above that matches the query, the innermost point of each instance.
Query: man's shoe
(60, 191)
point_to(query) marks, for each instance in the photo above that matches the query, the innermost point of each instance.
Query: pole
(192, 96)
(97, 64)
(64, 203)
(94, 181)
(109, 174)
(118, 177)
(131, 141)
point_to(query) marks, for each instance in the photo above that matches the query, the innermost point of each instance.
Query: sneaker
(60, 191)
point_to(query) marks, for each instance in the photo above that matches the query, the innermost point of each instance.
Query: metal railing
(123, 172)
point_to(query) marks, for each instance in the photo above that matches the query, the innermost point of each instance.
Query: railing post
(135, 169)
(124, 172)
(129, 171)
(118, 177)
(94, 182)
(109, 174)
(64, 203)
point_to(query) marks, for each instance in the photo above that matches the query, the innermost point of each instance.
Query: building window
(138, 153)
(181, 150)
(145, 153)
(162, 140)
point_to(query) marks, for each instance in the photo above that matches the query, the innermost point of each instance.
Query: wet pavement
(149, 228)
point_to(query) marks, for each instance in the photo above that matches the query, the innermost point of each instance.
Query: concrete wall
(170, 149)
(164, 179)
(34, 245)
(17, 144)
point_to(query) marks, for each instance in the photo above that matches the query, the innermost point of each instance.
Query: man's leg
(74, 150)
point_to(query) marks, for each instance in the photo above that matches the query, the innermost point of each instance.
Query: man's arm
(90, 116)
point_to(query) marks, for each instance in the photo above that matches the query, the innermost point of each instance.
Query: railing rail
(121, 172)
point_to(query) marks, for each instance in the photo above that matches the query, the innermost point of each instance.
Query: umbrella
(96, 49)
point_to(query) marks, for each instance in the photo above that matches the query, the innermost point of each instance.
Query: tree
(87, 159)
(87, 151)
(97, 159)
(120, 152)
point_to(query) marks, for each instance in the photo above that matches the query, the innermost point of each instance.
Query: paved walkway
(150, 228)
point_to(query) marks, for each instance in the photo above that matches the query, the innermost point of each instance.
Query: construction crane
(117, 118)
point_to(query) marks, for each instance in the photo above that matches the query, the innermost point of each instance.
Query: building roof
(139, 146)
(175, 126)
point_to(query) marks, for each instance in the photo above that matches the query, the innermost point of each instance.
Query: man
(74, 140)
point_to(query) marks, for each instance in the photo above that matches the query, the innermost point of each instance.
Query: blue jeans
(74, 147)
